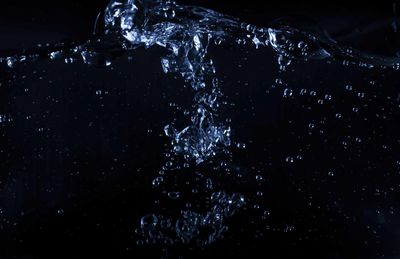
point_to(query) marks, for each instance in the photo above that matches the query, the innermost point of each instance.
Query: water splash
(201, 228)
(187, 32)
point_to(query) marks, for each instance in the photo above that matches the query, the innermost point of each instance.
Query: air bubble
(289, 160)
(288, 92)
(149, 222)
(174, 195)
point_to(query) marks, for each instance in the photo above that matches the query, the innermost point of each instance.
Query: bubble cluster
(192, 227)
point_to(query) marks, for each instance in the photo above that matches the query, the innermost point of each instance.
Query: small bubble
(68, 60)
(209, 183)
(169, 164)
(278, 81)
(10, 62)
(301, 45)
(174, 195)
(157, 181)
(148, 222)
(55, 54)
(241, 145)
(266, 214)
(283, 62)
(218, 41)
(288, 229)
(287, 92)
(289, 160)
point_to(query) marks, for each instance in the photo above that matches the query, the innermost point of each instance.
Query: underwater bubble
(289, 160)
(349, 87)
(10, 62)
(209, 183)
(148, 222)
(157, 181)
(288, 92)
(174, 195)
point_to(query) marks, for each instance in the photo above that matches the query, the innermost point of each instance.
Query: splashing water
(186, 32)
(166, 24)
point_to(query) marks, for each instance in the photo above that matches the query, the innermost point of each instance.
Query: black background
(98, 216)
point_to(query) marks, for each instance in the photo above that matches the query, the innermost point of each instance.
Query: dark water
(286, 144)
